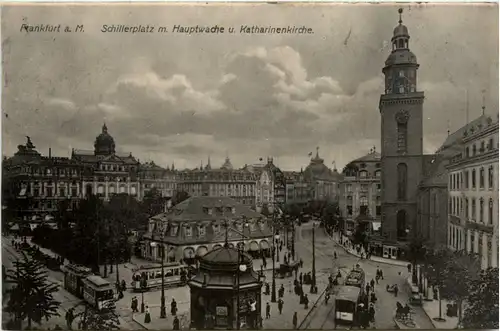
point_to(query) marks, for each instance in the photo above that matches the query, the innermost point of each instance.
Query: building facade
(401, 109)
(34, 185)
(323, 182)
(360, 192)
(270, 186)
(473, 192)
(200, 224)
(106, 172)
(298, 190)
(238, 184)
(154, 177)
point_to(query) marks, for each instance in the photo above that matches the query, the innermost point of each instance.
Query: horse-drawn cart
(287, 270)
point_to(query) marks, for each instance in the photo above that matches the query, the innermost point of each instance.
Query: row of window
(457, 205)
(363, 187)
(217, 228)
(114, 167)
(111, 189)
(364, 210)
(50, 192)
(459, 180)
(474, 150)
(50, 172)
(160, 185)
(363, 201)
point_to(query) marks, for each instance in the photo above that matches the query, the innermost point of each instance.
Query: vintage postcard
(249, 166)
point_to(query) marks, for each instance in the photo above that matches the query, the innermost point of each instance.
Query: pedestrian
(69, 318)
(280, 305)
(267, 289)
(373, 298)
(306, 301)
(124, 285)
(173, 307)
(372, 313)
(176, 324)
(409, 267)
(147, 316)
(396, 290)
(377, 278)
(57, 327)
(301, 263)
(372, 284)
(327, 297)
(134, 305)
(381, 274)
(268, 311)
(294, 320)
(301, 278)
(281, 291)
(367, 287)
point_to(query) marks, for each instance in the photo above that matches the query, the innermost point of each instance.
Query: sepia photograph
(274, 166)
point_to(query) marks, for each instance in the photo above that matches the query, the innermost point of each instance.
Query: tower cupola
(401, 65)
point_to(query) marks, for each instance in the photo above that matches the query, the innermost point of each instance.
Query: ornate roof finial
(317, 152)
(104, 128)
(484, 103)
(400, 11)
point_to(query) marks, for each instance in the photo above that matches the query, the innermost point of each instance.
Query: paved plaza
(317, 316)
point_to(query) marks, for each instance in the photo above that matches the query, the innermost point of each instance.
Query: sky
(177, 98)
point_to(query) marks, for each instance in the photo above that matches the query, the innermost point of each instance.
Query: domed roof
(226, 255)
(317, 168)
(400, 31)
(403, 56)
(104, 143)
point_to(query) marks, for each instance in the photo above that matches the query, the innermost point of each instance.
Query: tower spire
(104, 128)
(400, 11)
(317, 152)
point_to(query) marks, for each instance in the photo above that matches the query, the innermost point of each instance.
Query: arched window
(481, 210)
(401, 223)
(473, 178)
(402, 137)
(402, 181)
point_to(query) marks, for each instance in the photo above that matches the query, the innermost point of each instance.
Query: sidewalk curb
(359, 256)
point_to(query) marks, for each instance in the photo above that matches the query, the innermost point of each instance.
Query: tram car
(356, 277)
(98, 293)
(149, 276)
(347, 299)
(73, 278)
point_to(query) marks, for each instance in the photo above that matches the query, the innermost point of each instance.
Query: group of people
(147, 317)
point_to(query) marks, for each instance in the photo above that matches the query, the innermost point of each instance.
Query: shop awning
(189, 253)
(202, 250)
(264, 244)
(254, 246)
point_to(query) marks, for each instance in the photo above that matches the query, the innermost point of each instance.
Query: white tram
(175, 274)
(98, 292)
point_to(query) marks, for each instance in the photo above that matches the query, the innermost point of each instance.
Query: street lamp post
(314, 288)
(241, 268)
(293, 239)
(273, 287)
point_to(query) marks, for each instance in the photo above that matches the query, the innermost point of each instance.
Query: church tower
(401, 111)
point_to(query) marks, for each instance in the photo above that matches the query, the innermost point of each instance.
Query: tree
(417, 252)
(462, 270)
(31, 297)
(436, 271)
(482, 302)
(94, 320)
(331, 216)
(361, 235)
